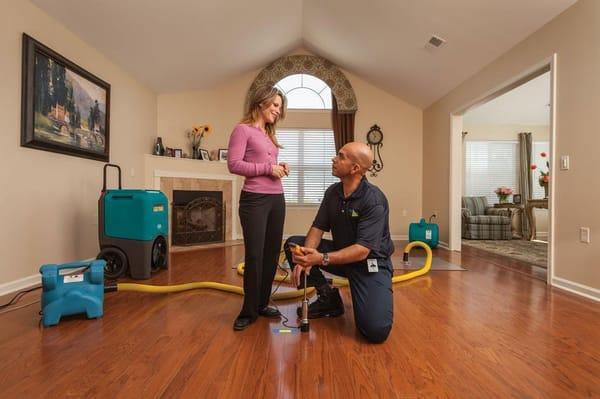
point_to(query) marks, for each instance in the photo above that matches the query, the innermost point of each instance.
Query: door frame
(456, 153)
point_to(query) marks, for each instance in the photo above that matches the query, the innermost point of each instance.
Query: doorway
(480, 129)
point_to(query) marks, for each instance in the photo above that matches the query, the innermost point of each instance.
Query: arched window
(305, 92)
(308, 151)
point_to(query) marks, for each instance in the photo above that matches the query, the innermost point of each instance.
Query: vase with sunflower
(195, 135)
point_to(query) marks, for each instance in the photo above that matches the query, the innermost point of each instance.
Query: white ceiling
(175, 45)
(527, 104)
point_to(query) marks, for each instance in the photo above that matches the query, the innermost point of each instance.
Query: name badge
(372, 265)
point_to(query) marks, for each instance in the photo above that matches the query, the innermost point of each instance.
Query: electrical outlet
(584, 235)
(434, 214)
(132, 172)
(403, 212)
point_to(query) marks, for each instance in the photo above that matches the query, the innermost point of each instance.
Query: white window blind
(489, 165)
(537, 159)
(309, 153)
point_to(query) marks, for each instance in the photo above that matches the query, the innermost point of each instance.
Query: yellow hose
(234, 289)
(342, 282)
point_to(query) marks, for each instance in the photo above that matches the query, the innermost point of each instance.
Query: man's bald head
(360, 153)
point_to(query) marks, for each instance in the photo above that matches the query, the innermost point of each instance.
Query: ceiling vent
(435, 42)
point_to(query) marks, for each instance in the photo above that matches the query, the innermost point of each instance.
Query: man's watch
(325, 261)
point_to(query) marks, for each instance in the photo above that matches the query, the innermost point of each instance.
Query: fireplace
(198, 217)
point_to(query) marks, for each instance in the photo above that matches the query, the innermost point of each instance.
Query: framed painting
(64, 108)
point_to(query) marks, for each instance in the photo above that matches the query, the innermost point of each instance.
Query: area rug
(535, 252)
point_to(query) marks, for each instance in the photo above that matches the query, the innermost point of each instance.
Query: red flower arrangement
(544, 177)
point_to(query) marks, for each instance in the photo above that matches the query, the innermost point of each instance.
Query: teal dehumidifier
(428, 233)
(133, 228)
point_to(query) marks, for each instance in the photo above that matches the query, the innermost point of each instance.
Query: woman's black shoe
(242, 322)
(268, 311)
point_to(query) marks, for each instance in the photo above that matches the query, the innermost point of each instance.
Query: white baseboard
(443, 244)
(576, 288)
(20, 284)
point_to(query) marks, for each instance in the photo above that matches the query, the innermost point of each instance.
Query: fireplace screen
(198, 217)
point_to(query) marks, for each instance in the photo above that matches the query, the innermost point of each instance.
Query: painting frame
(71, 138)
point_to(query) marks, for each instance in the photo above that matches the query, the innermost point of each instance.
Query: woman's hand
(286, 167)
(278, 171)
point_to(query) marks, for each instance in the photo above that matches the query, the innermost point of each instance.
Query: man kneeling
(357, 214)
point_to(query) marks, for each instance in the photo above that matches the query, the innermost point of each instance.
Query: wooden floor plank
(488, 332)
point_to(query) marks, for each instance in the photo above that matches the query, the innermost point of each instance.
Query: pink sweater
(252, 154)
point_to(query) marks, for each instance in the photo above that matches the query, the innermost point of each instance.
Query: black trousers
(372, 299)
(261, 216)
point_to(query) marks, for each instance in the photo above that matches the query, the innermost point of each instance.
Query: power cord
(18, 297)
(19, 307)
(285, 320)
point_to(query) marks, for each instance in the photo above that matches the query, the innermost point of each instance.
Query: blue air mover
(133, 228)
(65, 294)
(428, 233)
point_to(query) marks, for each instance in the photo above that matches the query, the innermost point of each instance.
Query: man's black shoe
(268, 311)
(326, 305)
(242, 322)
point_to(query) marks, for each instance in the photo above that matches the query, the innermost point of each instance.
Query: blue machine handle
(50, 272)
(104, 174)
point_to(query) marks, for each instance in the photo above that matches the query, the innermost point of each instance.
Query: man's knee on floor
(299, 240)
(375, 331)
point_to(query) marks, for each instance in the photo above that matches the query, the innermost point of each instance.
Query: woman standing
(252, 153)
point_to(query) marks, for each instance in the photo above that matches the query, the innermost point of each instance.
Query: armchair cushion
(498, 212)
(488, 219)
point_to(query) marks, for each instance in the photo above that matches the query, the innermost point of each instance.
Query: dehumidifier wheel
(159, 254)
(116, 262)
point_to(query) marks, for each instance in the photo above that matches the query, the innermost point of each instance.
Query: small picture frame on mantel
(223, 154)
(516, 199)
(204, 155)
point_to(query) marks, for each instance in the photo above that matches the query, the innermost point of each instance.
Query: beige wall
(510, 132)
(572, 35)
(401, 124)
(49, 201)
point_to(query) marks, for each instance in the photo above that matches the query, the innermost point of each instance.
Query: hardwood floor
(487, 332)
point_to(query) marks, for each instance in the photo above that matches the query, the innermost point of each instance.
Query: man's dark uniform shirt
(362, 218)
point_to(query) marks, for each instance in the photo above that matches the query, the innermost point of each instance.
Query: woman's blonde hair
(263, 97)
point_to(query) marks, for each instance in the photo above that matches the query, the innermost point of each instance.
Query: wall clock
(375, 141)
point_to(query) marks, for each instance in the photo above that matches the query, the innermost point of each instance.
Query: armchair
(482, 222)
